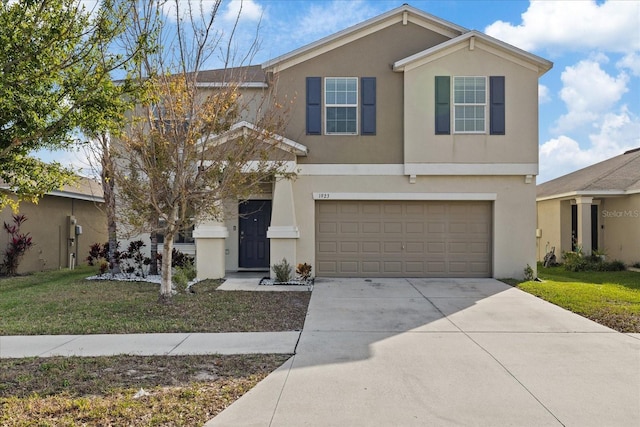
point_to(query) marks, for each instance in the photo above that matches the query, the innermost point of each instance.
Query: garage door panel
(415, 248)
(349, 247)
(403, 238)
(328, 227)
(327, 247)
(414, 227)
(392, 227)
(392, 208)
(349, 227)
(392, 247)
(348, 266)
(371, 227)
(393, 267)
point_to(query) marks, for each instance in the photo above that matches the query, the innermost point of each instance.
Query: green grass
(609, 298)
(63, 302)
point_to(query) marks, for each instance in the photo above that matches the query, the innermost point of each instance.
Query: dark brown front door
(255, 217)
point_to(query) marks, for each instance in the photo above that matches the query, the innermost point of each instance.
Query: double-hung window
(469, 104)
(341, 105)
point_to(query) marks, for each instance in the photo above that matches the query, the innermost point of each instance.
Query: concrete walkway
(422, 352)
(162, 344)
(149, 344)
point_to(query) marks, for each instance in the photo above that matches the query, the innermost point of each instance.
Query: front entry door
(255, 217)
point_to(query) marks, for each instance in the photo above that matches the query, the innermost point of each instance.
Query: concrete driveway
(422, 352)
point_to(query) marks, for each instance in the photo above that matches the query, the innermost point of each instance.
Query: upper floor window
(341, 105)
(478, 102)
(470, 102)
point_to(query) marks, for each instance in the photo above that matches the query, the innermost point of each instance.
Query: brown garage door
(403, 239)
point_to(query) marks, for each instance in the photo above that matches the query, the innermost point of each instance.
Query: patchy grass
(63, 302)
(183, 390)
(609, 298)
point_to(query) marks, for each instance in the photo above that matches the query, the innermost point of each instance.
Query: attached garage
(403, 238)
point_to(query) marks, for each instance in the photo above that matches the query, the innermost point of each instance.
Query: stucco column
(210, 249)
(283, 231)
(584, 223)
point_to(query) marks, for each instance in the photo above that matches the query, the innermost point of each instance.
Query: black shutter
(368, 122)
(443, 109)
(497, 105)
(314, 106)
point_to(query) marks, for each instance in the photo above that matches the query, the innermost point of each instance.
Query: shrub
(178, 259)
(304, 271)
(19, 244)
(528, 273)
(282, 271)
(575, 261)
(183, 275)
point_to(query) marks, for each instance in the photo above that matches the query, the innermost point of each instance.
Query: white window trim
(356, 105)
(485, 105)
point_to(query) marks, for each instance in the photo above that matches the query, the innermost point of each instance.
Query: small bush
(183, 275)
(303, 271)
(575, 261)
(19, 244)
(528, 273)
(282, 271)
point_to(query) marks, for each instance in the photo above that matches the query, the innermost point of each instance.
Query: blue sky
(589, 101)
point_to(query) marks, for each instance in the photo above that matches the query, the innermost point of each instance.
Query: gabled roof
(404, 13)
(541, 65)
(616, 176)
(247, 76)
(82, 189)
(243, 128)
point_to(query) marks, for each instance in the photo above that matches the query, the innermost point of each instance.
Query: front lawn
(183, 390)
(609, 298)
(101, 391)
(63, 302)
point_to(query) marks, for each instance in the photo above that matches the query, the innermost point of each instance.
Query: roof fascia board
(584, 193)
(259, 85)
(363, 29)
(242, 128)
(482, 41)
(77, 196)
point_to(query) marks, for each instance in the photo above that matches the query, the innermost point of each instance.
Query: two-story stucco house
(415, 143)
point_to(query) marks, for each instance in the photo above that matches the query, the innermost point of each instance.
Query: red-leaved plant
(18, 244)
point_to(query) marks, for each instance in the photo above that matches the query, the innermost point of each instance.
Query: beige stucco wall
(370, 56)
(621, 235)
(513, 235)
(48, 224)
(548, 219)
(519, 144)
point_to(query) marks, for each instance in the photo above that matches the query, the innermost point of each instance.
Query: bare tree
(183, 154)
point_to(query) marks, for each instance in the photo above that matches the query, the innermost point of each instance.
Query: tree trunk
(165, 285)
(153, 267)
(108, 188)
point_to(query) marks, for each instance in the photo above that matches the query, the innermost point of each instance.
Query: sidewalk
(149, 344)
(161, 344)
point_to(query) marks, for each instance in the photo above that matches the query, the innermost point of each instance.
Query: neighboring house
(63, 225)
(595, 208)
(415, 143)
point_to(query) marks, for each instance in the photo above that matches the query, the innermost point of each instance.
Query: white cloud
(630, 62)
(617, 133)
(588, 92)
(249, 10)
(327, 18)
(543, 94)
(574, 25)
